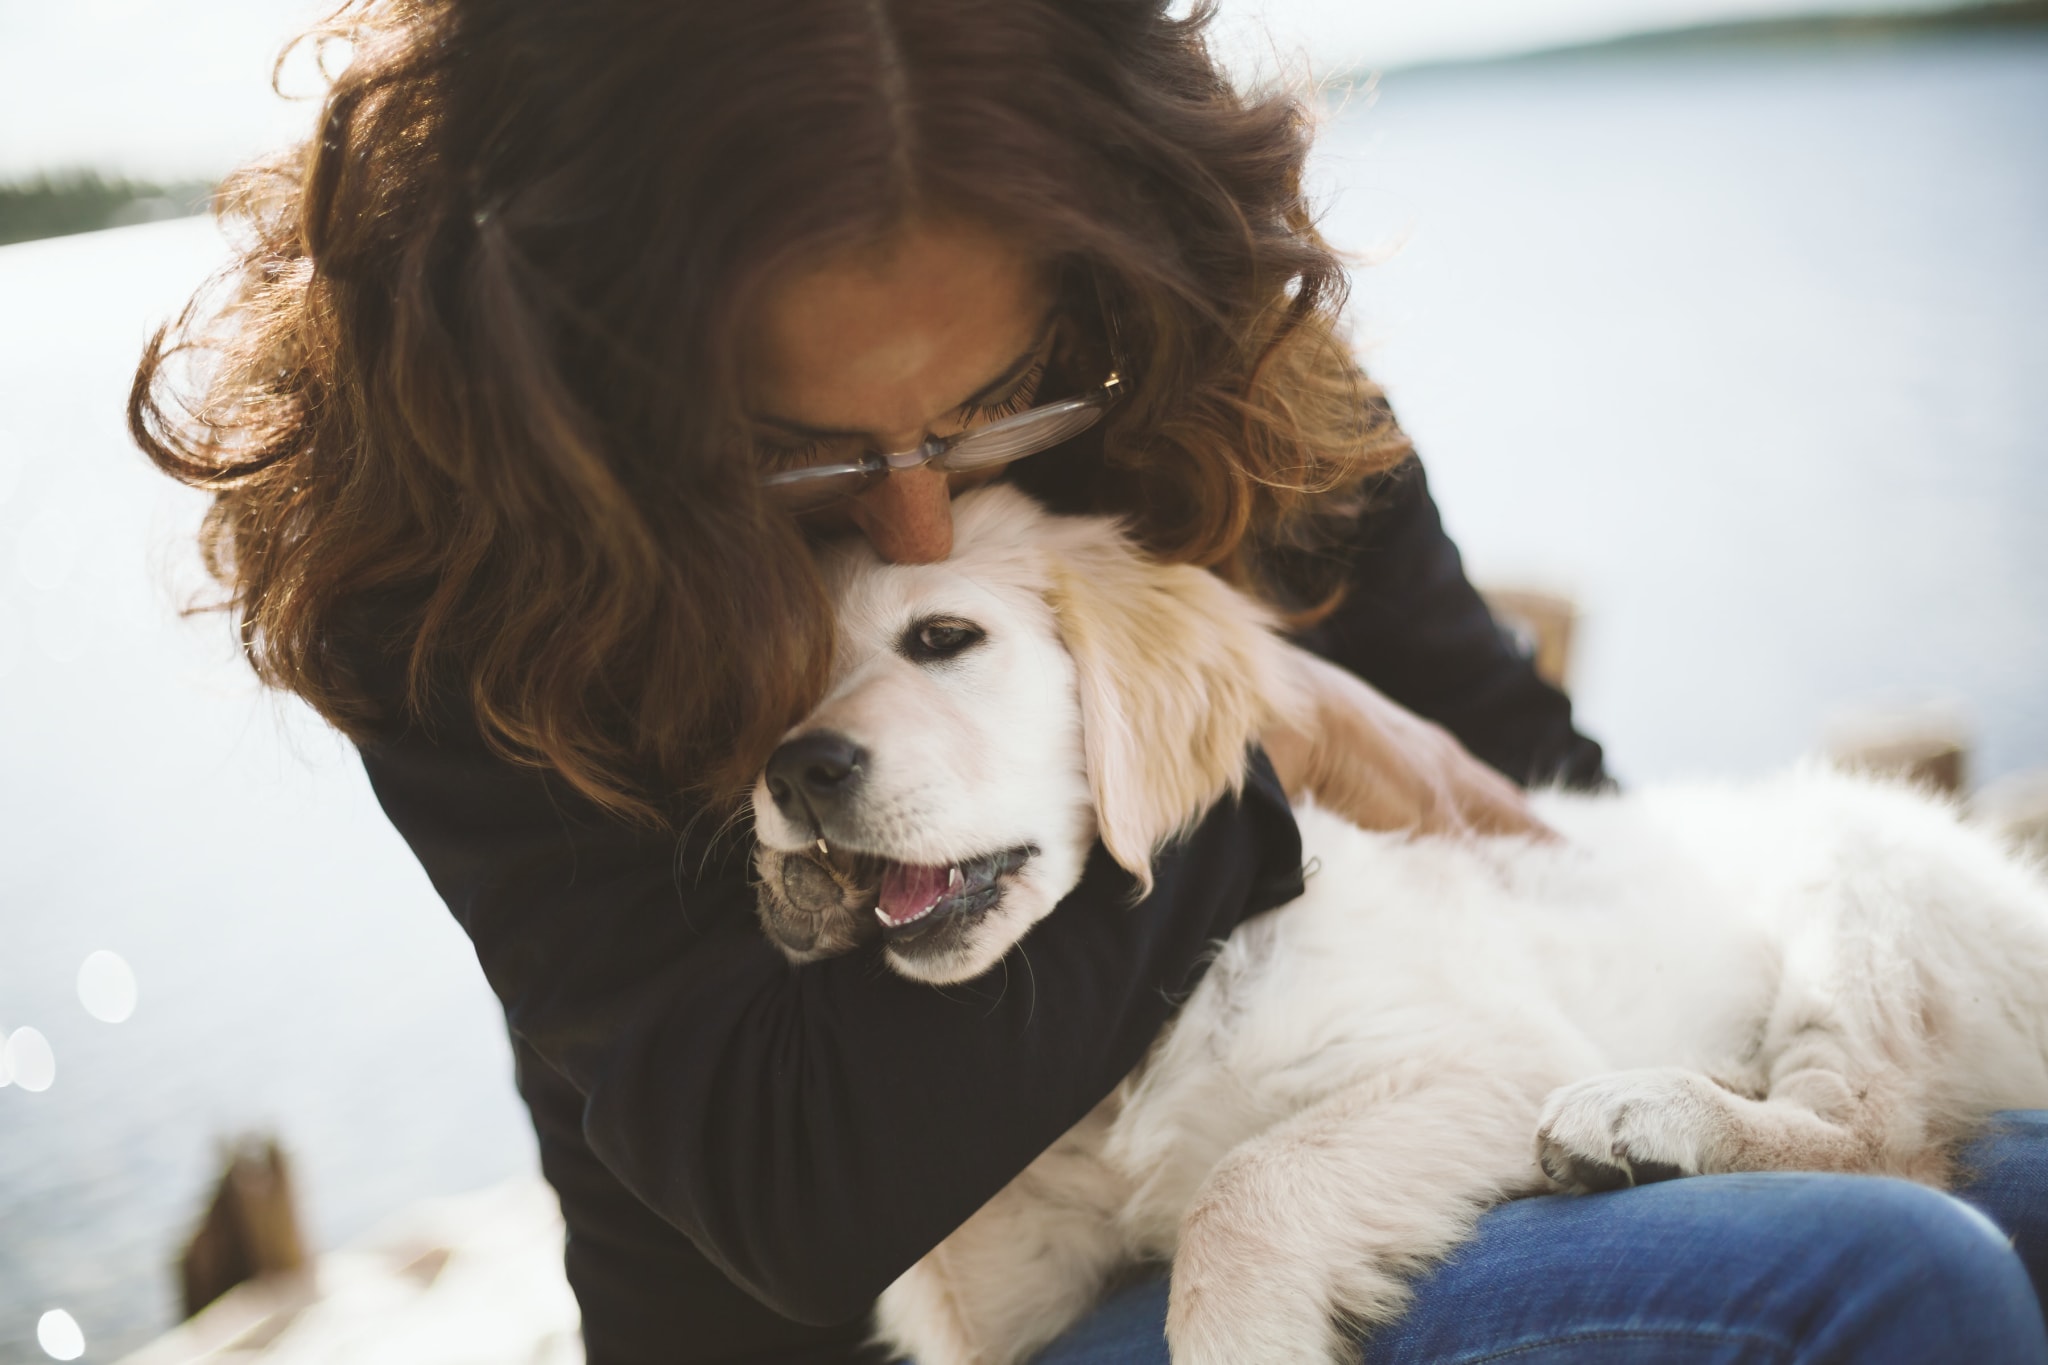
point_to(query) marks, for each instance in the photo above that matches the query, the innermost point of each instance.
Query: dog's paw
(813, 907)
(1631, 1128)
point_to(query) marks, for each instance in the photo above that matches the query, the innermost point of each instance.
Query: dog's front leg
(1022, 1269)
(1848, 1069)
(1321, 1219)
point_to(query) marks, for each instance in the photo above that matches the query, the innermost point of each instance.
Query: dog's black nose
(815, 771)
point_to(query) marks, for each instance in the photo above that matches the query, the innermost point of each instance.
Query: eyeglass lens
(1025, 434)
(998, 443)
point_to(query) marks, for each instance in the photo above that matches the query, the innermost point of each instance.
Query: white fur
(1815, 972)
(978, 755)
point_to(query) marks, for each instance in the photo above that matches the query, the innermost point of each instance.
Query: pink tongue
(909, 891)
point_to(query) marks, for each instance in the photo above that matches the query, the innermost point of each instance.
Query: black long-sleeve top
(747, 1153)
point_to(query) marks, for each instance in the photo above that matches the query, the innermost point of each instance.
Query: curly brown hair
(475, 363)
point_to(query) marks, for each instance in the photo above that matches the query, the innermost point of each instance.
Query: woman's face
(942, 328)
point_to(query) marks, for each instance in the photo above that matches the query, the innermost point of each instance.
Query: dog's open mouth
(912, 897)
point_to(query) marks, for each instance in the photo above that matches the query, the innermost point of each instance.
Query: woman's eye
(1018, 399)
(929, 640)
(773, 458)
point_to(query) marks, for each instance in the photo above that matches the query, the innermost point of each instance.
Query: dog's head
(989, 718)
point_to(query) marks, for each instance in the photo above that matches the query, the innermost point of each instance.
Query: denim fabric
(1715, 1270)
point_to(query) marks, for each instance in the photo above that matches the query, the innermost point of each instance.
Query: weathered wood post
(251, 1229)
(1925, 745)
(1542, 623)
(2017, 807)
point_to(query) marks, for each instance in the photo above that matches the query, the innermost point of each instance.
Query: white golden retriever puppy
(1814, 973)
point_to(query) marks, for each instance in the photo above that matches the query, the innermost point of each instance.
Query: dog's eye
(929, 640)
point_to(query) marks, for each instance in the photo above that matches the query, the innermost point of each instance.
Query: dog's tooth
(823, 851)
(952, 877)
(883, 916)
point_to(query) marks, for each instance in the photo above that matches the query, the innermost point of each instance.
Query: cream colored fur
(1112, 696)
(1810, 973)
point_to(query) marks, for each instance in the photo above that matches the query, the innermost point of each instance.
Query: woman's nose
(908, 516)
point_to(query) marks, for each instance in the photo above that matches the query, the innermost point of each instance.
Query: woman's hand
(1382, 766)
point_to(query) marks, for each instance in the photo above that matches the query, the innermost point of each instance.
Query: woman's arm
(815, 1130)
(1412, 625)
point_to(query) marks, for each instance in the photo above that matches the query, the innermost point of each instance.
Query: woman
(543, 365)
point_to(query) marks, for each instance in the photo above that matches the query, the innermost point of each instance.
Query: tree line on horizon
(59, 204)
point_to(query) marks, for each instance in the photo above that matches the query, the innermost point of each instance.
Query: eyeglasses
(998, 443)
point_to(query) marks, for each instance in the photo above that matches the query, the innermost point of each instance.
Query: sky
(170, 89)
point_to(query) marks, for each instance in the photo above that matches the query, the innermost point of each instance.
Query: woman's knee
(1781, 1267)
(2004, 1174)
(1789, 1268)
(1897, 1268)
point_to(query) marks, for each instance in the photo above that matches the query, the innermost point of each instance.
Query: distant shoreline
(61, 203)
(1755, 34)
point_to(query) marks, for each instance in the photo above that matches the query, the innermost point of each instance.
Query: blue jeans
(1715, 1270)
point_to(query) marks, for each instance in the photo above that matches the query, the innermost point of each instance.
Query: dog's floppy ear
(1178, 674)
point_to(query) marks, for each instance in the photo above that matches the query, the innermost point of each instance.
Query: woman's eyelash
(1020, 398)
(776, 458)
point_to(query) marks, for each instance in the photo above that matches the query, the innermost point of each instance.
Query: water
(294, 970)
(1746, 349)
(1743, 348)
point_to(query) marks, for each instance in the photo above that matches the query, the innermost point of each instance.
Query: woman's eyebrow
(1010, 374)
